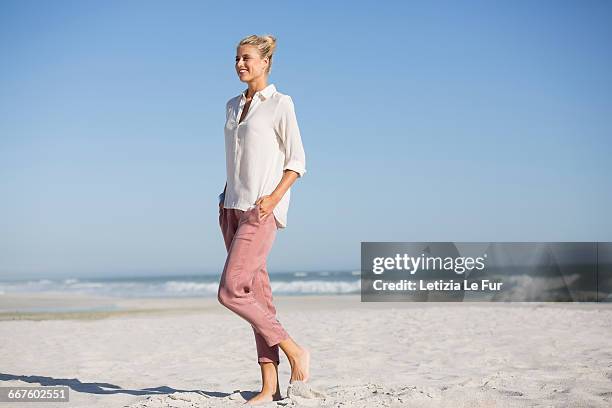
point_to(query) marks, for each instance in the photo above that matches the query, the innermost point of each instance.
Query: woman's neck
(255, 87)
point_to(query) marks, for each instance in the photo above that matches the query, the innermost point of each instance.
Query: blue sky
(421, 121)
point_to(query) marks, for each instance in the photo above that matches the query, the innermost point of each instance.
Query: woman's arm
(295, 159)
(268, 202)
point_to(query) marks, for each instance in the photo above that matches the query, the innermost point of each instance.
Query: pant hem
(276, 341)
(267, 360)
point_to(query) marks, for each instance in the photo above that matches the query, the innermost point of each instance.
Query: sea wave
(206, 286)
(315, 287)
(191, 287)
(296, 287)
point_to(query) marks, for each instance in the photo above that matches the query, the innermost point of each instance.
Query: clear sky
(421, 121)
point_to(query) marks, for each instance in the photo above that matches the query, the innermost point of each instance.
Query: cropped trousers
(244, 287)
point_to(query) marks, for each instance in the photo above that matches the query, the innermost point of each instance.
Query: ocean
(293, 283)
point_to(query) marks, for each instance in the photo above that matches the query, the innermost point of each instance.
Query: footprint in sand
(301, 389)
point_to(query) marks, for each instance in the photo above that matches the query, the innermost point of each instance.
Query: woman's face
(249, 65)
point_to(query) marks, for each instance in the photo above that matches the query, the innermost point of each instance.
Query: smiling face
(249, 64)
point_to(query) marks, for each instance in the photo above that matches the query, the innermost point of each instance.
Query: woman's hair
(265, 44)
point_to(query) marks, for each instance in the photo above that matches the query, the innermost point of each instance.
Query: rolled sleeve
(289, 133)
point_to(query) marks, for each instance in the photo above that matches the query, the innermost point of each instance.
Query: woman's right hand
(222, 198)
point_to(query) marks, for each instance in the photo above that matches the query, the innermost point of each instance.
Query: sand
(194, 353)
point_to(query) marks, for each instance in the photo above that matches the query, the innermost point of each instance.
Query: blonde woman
(264, 157)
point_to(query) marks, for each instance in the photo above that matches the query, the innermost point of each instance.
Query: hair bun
(272, 41)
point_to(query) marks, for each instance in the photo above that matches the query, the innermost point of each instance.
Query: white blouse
(260, 148)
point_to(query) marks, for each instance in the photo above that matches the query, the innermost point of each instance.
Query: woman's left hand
(266, 205)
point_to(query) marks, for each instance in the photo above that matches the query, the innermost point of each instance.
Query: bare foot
(300, 366)
(264, 397)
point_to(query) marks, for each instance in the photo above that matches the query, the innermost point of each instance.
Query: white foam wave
(527, 287)
(315, 287)
(89, 285)
(39, 282)
(181, 288)
(195, 287)
(286, 288)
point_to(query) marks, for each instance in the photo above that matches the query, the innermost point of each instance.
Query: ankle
(296, 354)
(269, 391)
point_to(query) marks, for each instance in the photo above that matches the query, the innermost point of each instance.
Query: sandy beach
(194, 353)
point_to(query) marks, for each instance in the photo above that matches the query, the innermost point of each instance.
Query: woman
(264, 157)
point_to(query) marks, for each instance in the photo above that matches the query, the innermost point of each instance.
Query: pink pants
(245, 286)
